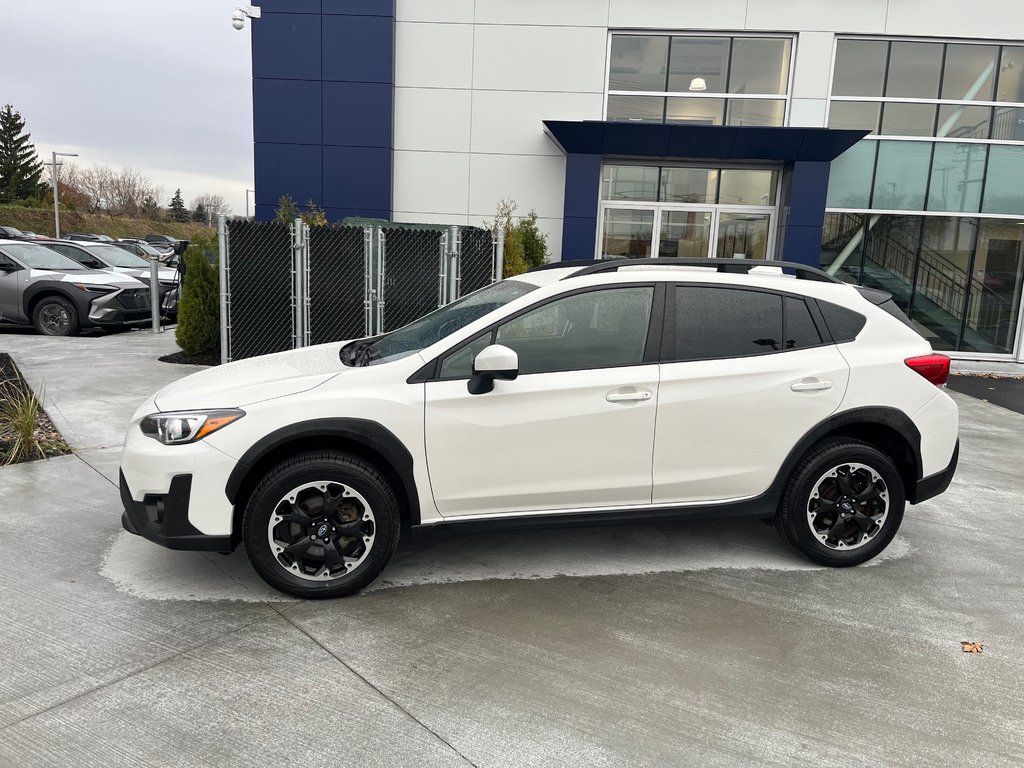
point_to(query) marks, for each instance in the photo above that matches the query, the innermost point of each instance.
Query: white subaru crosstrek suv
(623, 391)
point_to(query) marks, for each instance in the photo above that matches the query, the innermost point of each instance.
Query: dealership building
(882, 140)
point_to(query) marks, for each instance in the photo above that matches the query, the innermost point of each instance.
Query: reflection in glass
(958, 171)
(890, 256)
(638, 63)
(695, 111)
(1008, 124)
(742, 235)
(629, 182)
(969, 73)
(685, 234)
(901, 175)
(1011, 75)
(994, 294)
(743, 187)
(908, 119)
(854, 115)
(759, 65)
(756, 112)
(842, 245)
(636, 108)
(914, 70)
(940, 286)
(628, 233)
(1004, 188)
(706, 58)
(958, 122)
(849, 181)
(689, 185)
(860, 68)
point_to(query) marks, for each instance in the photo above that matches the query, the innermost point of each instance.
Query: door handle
(628, 397)
(811, 385)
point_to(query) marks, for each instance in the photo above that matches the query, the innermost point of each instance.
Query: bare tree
(120, 193)
(214, 205)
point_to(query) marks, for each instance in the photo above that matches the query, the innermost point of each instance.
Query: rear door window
(715, 322)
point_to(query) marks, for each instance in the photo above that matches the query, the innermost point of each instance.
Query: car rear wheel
(320, 525)
(55, 316)
(843, 503)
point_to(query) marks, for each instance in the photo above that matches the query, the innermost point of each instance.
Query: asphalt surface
(998, 390)
(705, 644)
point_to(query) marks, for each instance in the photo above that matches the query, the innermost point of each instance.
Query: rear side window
(844, 324)
(801, 332)
(725, 322)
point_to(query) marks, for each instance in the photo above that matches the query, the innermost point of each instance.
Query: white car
(623, 391)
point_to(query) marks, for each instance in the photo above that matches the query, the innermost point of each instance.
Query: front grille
(137, 298)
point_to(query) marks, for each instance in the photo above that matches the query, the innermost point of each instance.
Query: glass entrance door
(689, 232)
(685, 234)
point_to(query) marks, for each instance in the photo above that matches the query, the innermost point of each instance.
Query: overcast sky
(164, 87)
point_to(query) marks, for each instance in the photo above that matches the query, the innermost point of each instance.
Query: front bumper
(129, 307)
(163, 518)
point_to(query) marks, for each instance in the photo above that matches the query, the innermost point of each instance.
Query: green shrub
(525, 246)
(198, 330)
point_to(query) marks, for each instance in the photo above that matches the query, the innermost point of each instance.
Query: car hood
(250, 381)
(87, 277)
(164, 275)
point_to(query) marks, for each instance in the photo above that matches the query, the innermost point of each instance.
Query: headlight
(187, 426)
(88, 288)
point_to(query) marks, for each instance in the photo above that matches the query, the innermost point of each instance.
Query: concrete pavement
(704, 644)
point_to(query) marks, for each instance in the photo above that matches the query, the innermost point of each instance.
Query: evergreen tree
(20, 167)
(199, 214)
(150, 208)
(177, 207)
(198, 331)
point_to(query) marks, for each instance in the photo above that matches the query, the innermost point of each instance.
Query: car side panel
(939, 423)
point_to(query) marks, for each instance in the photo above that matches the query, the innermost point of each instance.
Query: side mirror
(493, 362)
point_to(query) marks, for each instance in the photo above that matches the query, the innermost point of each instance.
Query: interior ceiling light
(698, 84)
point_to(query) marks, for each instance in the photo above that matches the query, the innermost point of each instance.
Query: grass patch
(26, 432)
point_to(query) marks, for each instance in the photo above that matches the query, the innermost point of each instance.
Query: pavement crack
(90, 466)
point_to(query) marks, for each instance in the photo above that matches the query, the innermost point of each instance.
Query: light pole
(56, 183)
(247, 201)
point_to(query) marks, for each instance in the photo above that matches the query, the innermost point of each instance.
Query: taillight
(935, 368)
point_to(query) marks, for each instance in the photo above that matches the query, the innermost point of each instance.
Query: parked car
(141, 249)
(39, 287)
(12, 233)
(621, 391)
(176, 245)
(95, 255)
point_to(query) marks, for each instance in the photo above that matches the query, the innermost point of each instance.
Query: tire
(55, 316)
(301, 550)
(843, 503)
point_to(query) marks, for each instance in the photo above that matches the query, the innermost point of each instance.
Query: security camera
(238, 19)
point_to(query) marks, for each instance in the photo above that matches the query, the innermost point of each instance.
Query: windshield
(444, 321)
(39, 257)
(117, 257)
(13, 232)
(147, 249)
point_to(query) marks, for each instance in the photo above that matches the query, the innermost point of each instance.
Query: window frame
(787, 97)
(669, 337)
(431, 372)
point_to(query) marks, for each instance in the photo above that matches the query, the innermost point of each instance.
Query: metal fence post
(442, 272)
(299, 303)
(499, 256)
(154, 295)
(454, 271)
(382, 250)
(368, 279)
(222, 269)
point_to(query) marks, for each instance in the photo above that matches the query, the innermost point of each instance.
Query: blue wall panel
(289, 6)
(802, 245)
(361, 7)
(579, 238)
(288, 169)
(357, 178)
(582, 196)
(808, 192)
(359, 49)
(358, 114)
(286, 46)
(287, 111)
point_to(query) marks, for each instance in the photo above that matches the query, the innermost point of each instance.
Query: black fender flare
(374, 437)
(892, 418)
(55, 287)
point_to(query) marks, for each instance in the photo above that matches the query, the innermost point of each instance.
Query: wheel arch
(889, 430)
(36, 293)
(367, 439)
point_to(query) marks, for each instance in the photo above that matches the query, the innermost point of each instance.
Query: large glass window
(1004, 181)
(901, 176)
(850, 176)
(728, 186)
(958, 172)
(707, 80)
(994, 300)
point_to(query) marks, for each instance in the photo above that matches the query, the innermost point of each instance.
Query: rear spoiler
(884, 300)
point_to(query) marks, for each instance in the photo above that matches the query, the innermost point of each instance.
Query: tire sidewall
(794, 519)
(60, 302)
(292, 474)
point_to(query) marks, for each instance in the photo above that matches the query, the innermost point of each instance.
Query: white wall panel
(866, 16)
(813, 65)
(807, 113)
(434, 55)
(576, 13)
(513, 58)
(431, 182)
(511, 122)
(457, 11)
(432, 119)
(533, 182)
(998, 19)
(678, 14)
(416, 217)
(550, 227)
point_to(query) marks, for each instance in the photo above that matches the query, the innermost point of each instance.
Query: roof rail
(731, 266)
(567, 264)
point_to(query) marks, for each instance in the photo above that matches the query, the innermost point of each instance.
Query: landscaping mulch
(46, 433)
(180, 358)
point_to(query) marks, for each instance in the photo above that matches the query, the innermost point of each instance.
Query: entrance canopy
(804, 155)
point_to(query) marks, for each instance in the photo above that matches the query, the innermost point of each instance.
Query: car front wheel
(843, 503)
(321, 524)
(55, 316)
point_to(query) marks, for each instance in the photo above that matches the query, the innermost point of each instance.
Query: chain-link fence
(290, 286)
